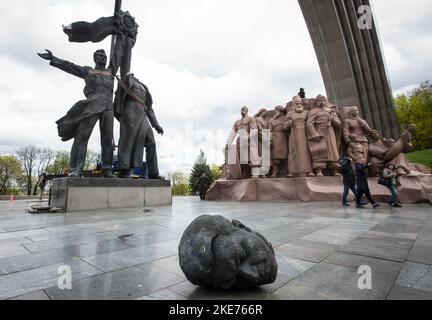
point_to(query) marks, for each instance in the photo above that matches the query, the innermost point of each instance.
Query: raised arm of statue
(66, 66)
(121, 55)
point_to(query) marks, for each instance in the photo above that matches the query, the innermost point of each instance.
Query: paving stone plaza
(132, 253)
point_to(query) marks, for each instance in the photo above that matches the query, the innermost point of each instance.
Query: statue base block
(413, 189)
(85, 194)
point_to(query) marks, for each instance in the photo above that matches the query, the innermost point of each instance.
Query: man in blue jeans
(362, 184)
(349, 180)
(391, 178)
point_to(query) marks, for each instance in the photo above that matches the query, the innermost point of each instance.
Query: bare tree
(44, 159)
(28, 156)
(34, 161)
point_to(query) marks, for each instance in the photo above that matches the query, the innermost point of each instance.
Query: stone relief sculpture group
(307, 138)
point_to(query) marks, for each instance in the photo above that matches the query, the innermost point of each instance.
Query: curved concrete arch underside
(351, 61)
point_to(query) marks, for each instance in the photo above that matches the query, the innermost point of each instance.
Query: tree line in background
(416, 107)
(19, 173)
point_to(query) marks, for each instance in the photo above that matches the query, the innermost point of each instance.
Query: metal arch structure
(351, 60)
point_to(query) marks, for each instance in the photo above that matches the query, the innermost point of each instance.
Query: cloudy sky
(202, 60)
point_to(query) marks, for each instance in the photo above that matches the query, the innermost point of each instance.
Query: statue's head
(297, 104)
(375, 136)
(261, 113)
(354, 112)
(335, 110)
(244, 111)
(411, 127)
(280, 111)
(321, 101)
(100, 57)
(215, 252)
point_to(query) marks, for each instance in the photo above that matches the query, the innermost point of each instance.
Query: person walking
(349, 180)
(390, 176)
(363, 185)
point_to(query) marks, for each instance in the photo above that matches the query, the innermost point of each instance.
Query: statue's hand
(47, 56)
(160, 130)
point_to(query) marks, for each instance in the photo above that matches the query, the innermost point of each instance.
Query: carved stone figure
(246, 126)
(217, 253)
(278, 140)
(356, 129)
(403, 145)
(386, 151)
(262, 121)
(299, 158)
(322, 140)
(356, 151)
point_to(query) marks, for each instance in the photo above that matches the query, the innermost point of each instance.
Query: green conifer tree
(198, 169)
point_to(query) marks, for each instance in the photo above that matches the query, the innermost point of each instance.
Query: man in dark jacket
(349, 180)
(203, 185)
(362, 184)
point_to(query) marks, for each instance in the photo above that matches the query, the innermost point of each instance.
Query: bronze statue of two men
(132, 106)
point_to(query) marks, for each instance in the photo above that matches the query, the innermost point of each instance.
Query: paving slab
(20, 283)
(12, 250)
(126, 258)
(126, 284)
(32, 261)
(405, 293)
(332, 282)
(34, 296)
(306, 250)
(164, 294)
(288, 269)
(396, 228)
(380, 266)
(369, 249)
(416, 276)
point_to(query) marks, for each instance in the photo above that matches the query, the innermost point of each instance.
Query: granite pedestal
(413, 189)
(83, 194)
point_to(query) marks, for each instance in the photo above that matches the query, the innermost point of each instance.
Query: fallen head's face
(244, 111)
(215, 252)
(100, 57)
(354, 112)
(243, 257)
